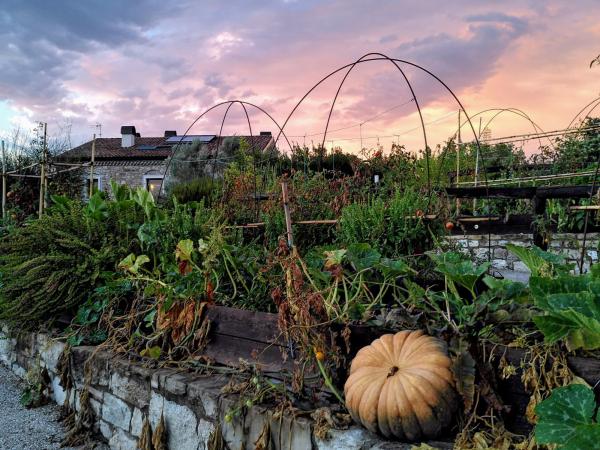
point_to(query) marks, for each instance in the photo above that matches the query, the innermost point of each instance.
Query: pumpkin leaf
(566, 419)
(362, 256)
(571, 308)
(456, 268)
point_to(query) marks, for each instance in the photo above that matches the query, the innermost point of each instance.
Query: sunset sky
(157, 65)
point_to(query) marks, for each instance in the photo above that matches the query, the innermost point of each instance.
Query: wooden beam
(491, 192)
(542, 192)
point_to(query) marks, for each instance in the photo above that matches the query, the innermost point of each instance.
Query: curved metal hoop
(381, 57)
(352, 66)
(515, 111)
(596, 101)
(229, 103)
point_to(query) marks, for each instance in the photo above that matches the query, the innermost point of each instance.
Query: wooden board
(252, 336)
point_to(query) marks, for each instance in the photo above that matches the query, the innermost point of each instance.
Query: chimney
(265, 133)
(128, 136)
(170, 133)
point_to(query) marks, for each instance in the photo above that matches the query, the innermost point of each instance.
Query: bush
(51, 265)
(393, 228)
(201, 189)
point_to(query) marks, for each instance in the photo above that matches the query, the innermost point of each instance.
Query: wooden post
(539, 209)
(288, 217)
(4, 176)
(43, 176)
(91, 192)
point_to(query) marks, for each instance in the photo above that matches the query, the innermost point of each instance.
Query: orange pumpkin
(401, 386)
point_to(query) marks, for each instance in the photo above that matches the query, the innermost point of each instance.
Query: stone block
(158, 378)
(205, 392)
(96, 407)
(181, 423)
(137, 421)
(472, 243)
(204, 430)
(520, 266)
(105, 430)
(499, 263)
(130, 389)
(500, 253)
(116, 412)
(122, 440)
(50, 353)
(354, 438)
(58, 393)
(176, 384)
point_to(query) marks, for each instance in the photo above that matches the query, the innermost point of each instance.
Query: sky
(158, 65)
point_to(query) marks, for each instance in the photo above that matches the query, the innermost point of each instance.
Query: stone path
(22, 428)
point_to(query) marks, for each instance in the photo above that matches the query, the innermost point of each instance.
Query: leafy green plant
(571, 309)
(540, 262)
(567, 419)
(35, 390)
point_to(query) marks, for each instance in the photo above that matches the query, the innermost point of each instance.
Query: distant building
(141, 161)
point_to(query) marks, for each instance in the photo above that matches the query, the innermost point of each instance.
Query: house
(142, 161)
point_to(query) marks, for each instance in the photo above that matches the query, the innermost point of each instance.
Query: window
(153, 183)
(96, 186)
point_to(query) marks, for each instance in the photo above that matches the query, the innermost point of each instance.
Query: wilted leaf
(463, 371)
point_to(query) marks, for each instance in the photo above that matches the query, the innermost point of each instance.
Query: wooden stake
(4, 176)
(286, 211)
(43, 176)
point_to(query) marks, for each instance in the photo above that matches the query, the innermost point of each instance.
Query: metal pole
(3, 181)
(477, 167)
(43, 175)
(458, 142)
(91, 192)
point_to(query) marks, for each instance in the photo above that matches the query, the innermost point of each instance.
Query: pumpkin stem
(393, 371)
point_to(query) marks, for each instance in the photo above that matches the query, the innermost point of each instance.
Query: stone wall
(568, 244)
(126, 172)
(124, 394)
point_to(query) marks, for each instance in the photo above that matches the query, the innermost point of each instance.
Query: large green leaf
(566, 419)
(539, 262)
(572, 310)
(459, 270)
(362, 256)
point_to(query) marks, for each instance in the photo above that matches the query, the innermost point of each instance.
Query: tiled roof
(110, 148)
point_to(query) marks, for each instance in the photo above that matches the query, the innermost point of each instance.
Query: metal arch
(221, 130)
(516, 111)
(596, 100)
(360, 61)
(413, 96)
(431, 74)
(228, 102)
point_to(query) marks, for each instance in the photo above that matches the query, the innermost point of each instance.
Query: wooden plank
(478, 219)
(251, 325)
(584, 208)
(228, 350)
(582, 191)
(491, 192)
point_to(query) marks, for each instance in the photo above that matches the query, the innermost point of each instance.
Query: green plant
(540, 262)
(35, 391)
(571, 308)
(567, 419)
